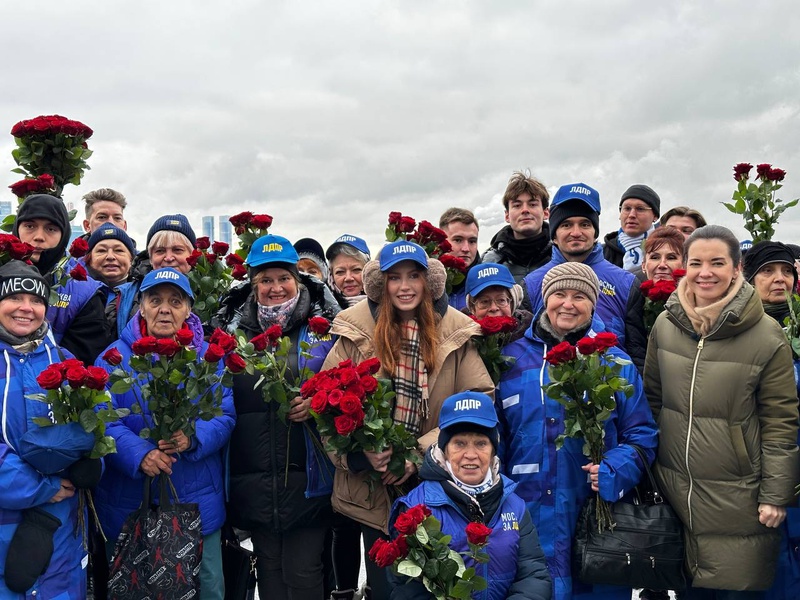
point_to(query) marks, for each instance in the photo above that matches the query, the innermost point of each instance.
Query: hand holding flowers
(496, 334)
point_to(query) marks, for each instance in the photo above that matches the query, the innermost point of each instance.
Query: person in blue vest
(111, 252)
(555, 483)
(41, 551)
(575, 227)
(194, 463)
(76, 318)
(462, 483)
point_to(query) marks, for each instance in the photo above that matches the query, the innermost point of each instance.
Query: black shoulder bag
(644, 550)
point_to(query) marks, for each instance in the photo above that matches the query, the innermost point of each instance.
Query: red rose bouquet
(353, 412)
(757, 202)
(433, 240)
(496, 334)
(43, 184)
(12, 248)
(584, 379)
(248, 228)
(177, 386)
(422, 551)
(52, 145)
(656, 294)
(210, 277)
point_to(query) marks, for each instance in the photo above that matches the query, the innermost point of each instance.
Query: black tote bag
(159, 549)
(644, 550)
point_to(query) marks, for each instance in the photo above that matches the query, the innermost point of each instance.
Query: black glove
(85, 473)
(30, 549)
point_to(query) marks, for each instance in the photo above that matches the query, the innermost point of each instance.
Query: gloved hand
(30, 549)
(85, 473)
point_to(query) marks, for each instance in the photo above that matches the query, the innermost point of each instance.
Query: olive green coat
(726, 406)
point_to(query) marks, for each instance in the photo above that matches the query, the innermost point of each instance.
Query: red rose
(78, 273)
(453, 262)
(605, 340)
(348, 376)
(662, 290)
(478, 533)
(646, 286)
(369, 366)
(211, 258)
(763, 170)
(220, 248)
(167, 347)
(586, 346)
(239, 272)
(345, 424)
(345, 364)
(203, 243)
(355, 388)
(394, 218)
(76, 376)
(358, 417)
(260, 342)
(350, 404)
(224, 340)
(369, 384)
(319, 402)
(493, 325)
(233, 259)
(742, 171)
(319, 325)
(235, 363)
(445, 246)
(678, 273)
(194, 257)
(96, 378)
(112, 357)
(79, 247)
(21, 250)
(428, 232)
(776, 174)
(242, 219)
(334, 397)
(401, 545)
(144, 345)
(561, 353)
(261, 221)
(383, 553)
(70, 363)
(50, 378)
(406, 225)
(408, 522)
(213, 353)
(184, 337)
(274, 333)
(46, 180)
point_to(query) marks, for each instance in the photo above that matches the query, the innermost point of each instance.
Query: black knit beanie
(17, 277)
(572, 208)
(177, 223)
(644, 193)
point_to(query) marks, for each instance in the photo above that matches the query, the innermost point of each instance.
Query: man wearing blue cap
(575, 228)
(461, 228)
(462, 483)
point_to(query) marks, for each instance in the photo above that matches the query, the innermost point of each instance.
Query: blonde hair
(167, 238)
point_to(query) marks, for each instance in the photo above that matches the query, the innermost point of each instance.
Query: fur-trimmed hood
(373, 279)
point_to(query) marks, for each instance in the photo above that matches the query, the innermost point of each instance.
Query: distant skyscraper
(6, 208)
(208, 227)
(225, 230)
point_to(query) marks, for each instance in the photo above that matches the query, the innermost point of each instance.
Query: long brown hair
(388, 332)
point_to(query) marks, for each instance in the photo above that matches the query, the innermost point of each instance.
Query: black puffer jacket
(274, 465)
(520, 256)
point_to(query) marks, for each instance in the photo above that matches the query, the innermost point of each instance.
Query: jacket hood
(741, 313)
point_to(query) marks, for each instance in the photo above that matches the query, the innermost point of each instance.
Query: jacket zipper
(689, 430)
(275, 476)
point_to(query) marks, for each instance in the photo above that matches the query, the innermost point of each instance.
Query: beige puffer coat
(461, 369)
(726, 406)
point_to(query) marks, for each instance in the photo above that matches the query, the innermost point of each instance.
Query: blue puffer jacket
(22, 487)
(619, 304)
(516, 568)
(198, 474)
(72, 298)
(552, 482)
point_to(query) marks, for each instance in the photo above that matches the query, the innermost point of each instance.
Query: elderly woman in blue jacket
(555, 483)
(194, 464)
(41, 554)
(461, 484)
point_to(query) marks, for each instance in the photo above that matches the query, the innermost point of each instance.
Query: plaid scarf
(410, 381)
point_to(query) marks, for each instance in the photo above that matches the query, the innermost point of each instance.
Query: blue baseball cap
(401, 250)
(488, 274)
(577, 191)
(269, 249)
(350, 240)
(167, 275)
(467, 411)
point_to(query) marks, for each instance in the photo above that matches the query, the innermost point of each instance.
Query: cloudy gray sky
(328, 115)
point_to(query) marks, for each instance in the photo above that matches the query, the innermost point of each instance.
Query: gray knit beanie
(571, 276)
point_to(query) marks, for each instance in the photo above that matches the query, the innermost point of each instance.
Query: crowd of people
(713, 402)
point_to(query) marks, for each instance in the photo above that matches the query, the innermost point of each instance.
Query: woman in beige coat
(425, 348)
(720, 381)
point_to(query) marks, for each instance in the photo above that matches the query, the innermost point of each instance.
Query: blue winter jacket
(516, 569)
(198, 474)
(72, 298)
(551, 481)
(619, 304)
(22, 487)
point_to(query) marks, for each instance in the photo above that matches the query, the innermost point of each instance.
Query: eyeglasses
(485, 303)
(639, 210)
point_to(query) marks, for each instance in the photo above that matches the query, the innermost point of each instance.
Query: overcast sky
(329, 115)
